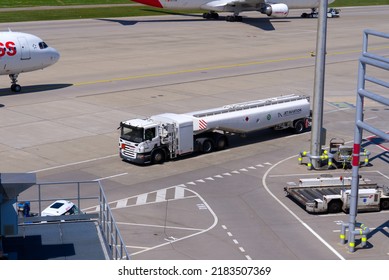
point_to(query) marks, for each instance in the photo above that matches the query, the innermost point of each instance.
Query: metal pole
(356, 152)
(318, 94)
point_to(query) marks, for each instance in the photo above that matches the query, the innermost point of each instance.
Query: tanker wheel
(335, 206)
(158, 157)
(207, 146)
(221, 143)
(384, 204)
(299, 127)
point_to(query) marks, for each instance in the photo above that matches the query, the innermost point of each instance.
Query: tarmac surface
(224, 205)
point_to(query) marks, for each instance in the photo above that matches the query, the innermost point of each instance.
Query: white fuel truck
(167, 136)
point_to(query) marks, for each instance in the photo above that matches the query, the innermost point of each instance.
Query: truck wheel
(158, 157)
(335, 206)
(207, 146)
(299, 126)
(384, 204)
(221, 143)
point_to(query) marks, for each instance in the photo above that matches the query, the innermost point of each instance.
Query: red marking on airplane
(154, 3)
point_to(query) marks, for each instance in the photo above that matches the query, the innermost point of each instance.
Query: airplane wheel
(16, 88)
(211, 15)
(230, 18)
(234, 18)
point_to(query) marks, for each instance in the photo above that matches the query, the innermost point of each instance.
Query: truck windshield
(131, 133)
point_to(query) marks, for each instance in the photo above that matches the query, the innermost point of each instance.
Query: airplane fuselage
(22, 52)
(247, 5)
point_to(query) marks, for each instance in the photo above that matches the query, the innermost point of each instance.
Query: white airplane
(22, 52)
(273, 8)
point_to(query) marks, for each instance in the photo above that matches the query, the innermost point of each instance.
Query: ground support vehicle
(342, 154)
(338, 155)
(332, 195)
(61, 207)
(167, 136)
(331, 13)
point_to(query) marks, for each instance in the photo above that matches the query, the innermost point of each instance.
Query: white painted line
(321, 173)
(248, 257)
(227, 174)
(71, 164)
(387, 177)
(136, 247)
(235, 241)
(218, 176)
(292, 213)
(161, 195)
(259, 165)
(141, 199)
(229, 234)
(180, 193)
(215, 221)
(110, 177)
(159, 226)
(121, 203)
(295, 135)
(224, 227)
(200, 181)
(242, 249)
(210, 179)
(201, 206)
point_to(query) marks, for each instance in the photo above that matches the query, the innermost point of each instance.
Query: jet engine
(275, 10)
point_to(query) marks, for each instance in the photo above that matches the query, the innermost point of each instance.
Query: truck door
(24, 48)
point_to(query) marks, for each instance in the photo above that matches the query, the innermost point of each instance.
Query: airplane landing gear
(214, 15)
(15, 87)
(211, 15)
(314, 14)
(234, 18)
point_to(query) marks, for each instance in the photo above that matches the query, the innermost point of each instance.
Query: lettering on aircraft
(7, 48)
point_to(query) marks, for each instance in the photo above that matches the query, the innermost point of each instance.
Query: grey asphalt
(63, 126)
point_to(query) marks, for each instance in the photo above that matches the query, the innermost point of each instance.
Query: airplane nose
(54, 56)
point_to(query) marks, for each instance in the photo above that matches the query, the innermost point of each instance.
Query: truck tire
(221, 142)
(299, 127)
(384, 205)
(158, 157)
(207, 146)
(334, 206)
